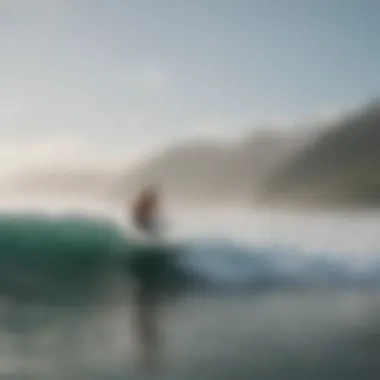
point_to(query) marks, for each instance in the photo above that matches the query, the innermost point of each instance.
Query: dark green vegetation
(341, 166)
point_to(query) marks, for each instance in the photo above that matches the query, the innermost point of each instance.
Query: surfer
(145, 212)
(146, 273)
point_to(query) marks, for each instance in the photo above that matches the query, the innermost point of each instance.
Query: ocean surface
(266, 294)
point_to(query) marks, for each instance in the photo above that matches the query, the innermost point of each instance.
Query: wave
(73, 258)
(224, 263)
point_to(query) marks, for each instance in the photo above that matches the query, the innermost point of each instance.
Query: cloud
(150, 80)
(144, 80)
(211, 125)
(216, 126)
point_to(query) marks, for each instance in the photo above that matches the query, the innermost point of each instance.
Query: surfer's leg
(148, 331)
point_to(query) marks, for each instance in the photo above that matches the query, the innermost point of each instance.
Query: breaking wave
(69, 257)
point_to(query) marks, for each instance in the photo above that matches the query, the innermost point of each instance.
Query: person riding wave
(145, 211)
(148, 272)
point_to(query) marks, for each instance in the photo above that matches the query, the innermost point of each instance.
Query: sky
(128, 75)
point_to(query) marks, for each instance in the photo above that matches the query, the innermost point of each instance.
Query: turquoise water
(65, 259)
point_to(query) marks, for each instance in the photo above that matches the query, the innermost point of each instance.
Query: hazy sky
(134, 72)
